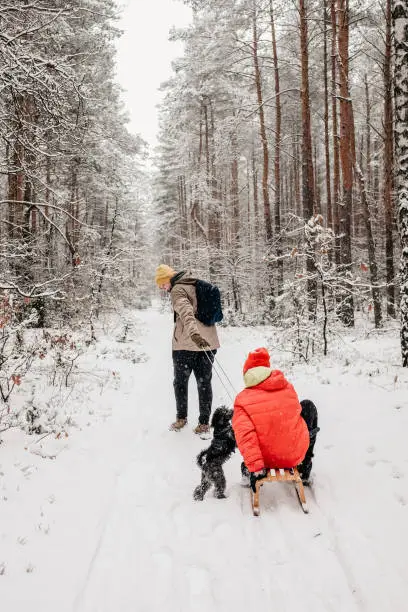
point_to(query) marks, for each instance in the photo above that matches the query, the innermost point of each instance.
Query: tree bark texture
(329, 211)
(308, 198)
(335, 138)
(277, 154)
(400, 31)
(262, 127)
(388, 186)
(346, 158)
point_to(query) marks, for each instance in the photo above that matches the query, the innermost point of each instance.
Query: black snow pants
(199, 362)
(309, 414)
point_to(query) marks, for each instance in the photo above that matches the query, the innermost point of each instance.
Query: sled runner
(280, 475)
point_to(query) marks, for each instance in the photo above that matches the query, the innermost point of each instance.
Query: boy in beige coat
(193, 347)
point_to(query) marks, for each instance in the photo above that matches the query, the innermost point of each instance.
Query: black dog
(211, 459)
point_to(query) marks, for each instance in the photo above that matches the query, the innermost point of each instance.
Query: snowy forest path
(110, 525)
(162, 549)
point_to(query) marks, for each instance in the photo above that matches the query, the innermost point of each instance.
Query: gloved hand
(254, 476)
(199, 341)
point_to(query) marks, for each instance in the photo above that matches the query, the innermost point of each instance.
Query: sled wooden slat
(280, 475)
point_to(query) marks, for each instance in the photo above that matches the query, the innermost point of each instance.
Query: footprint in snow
(373, 462)
(396, 473)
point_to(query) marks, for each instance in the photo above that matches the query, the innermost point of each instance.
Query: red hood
(274, 382)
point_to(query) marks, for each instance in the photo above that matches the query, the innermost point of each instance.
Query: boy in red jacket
(272, 428)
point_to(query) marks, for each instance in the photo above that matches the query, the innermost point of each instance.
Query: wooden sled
(280, 475)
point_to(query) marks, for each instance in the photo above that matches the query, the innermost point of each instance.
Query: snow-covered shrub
(63, 352)
(17, 354)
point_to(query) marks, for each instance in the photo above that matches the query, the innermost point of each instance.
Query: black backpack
(209, 309)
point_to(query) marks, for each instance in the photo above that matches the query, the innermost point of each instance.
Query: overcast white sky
(145, 55)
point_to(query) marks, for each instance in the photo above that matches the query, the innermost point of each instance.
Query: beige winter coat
(184, 302)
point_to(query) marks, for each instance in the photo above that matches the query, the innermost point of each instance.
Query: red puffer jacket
(267, 424)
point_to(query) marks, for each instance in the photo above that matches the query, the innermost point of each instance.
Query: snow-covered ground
(104, 521)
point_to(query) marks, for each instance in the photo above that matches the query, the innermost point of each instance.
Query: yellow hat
(164, 274)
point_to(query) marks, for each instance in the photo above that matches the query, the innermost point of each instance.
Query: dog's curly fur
(212, 458)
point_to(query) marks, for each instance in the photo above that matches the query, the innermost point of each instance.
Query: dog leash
(218, 374)
(226, 376)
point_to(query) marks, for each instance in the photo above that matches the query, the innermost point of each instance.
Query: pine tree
(400, 30)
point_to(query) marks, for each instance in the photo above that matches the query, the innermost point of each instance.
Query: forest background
(280, 173)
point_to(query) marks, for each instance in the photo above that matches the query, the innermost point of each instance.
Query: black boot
(245, 475)
(304, 470)
(310, 416)
(244, 470)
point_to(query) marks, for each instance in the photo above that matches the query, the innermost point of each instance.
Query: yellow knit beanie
(164, 274)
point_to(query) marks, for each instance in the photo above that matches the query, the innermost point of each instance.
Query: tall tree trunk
(70, 226)
(20, 182)
(400, 28)
(366, 216)
(277, 160)
(336, 155)
(388, 187)
(346, 158)
(329, 212)
(12, 187)
(375, 291)
(316, 183)
(234, 191)
(255, 191)
(182, 212)
(16, 187)
(377, 146)
(368, 135)
(307, 156)
(195, 212)
(207, 142)
(262, 127)
(109, 249)
(214, 228)
(296, 176)
(49, 228)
